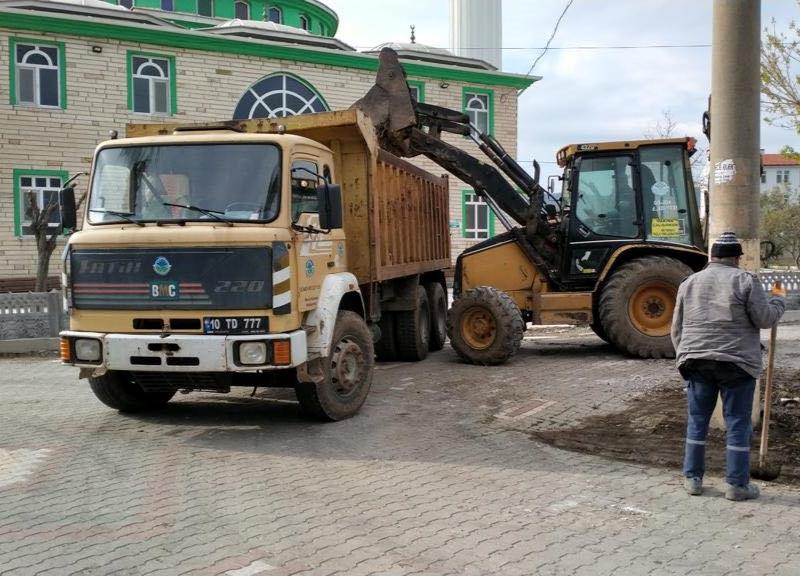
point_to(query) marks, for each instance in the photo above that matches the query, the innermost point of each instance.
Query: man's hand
(778, 290)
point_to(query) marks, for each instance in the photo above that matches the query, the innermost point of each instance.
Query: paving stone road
(436, 476)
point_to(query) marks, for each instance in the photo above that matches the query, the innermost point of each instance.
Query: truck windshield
(198, 182)
(667, 207)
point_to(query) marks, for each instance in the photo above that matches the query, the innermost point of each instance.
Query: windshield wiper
(207, 212)
(123, 215)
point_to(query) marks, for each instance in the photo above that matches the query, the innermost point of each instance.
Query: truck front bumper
(181, 352)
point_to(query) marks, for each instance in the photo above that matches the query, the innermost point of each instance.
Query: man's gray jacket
(718, 316)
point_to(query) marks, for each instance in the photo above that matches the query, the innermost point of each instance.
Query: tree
(44, 233)
(779, 217)
(780, 84)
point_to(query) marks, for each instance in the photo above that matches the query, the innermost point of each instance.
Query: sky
(584, 95)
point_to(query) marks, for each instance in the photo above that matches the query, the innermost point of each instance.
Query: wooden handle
(762, 452)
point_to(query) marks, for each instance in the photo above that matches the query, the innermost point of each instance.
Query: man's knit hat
(726, 246)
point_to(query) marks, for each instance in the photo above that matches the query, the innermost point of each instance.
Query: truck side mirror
(66, 200)
(329, 197)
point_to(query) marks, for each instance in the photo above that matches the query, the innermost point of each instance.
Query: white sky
(584, 95)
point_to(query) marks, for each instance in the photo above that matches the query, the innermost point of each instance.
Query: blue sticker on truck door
(179, 278)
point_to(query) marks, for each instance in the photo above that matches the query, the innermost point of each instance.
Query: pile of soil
(651, 430)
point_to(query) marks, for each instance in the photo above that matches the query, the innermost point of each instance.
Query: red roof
(779, 160)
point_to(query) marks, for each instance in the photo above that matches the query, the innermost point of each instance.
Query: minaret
(476, 30)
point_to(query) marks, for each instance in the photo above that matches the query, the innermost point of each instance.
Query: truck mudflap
(186, 352)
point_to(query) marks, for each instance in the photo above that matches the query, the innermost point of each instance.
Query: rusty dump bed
(395, 214)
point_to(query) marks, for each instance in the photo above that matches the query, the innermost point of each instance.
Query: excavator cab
(610, 255)
(623, 193)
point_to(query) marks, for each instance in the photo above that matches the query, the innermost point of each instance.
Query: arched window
(275, 15)
(304, 22)
(279, 95)
(477, 106)
(38, 75)
(150, 85)
(241, 10)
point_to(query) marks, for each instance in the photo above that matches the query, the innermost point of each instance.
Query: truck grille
(158, 381)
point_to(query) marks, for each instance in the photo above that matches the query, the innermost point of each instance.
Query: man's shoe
(738, 493)
(694, 486)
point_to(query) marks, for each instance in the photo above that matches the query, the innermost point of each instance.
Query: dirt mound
(651, 431)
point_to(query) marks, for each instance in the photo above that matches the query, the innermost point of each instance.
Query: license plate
(235, 325)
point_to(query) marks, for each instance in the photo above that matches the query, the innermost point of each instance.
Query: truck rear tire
(437, 302)
(117, 390)
(413, 329)
(637, 303)
(485, 326)
(386, 346)
(347, 372)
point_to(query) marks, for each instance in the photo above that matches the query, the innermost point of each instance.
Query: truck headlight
(87, 349)
(253, 353)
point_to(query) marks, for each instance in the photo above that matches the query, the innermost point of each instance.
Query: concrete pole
(735, 131)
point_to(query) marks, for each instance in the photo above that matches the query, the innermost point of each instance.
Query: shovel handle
(762, 452)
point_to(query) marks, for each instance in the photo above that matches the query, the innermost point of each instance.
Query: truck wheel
(347, 372)
(386, 347)
(485, 326)
(437, 301)
(413, 330)
(636, 305)
(597, 328)
(117, 390)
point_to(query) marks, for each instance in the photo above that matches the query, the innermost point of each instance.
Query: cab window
(664, 194)
(606, 203)
(304, 188)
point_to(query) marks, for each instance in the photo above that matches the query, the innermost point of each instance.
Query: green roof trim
(193, 40)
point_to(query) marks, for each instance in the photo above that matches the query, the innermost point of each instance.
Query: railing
(31, 315)
(789, 279)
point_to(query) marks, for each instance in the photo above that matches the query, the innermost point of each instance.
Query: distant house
(780, 172)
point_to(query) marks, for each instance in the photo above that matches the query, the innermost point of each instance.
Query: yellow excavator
(609, 253)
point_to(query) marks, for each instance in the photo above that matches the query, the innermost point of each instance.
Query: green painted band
(202, 41)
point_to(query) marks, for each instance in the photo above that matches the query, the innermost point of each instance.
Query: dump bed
(395, 214)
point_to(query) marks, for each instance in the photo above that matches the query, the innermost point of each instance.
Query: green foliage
(780, 224)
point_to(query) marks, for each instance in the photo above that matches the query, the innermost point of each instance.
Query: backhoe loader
(609, 253)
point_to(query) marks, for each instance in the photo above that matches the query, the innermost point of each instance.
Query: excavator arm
(408, 128)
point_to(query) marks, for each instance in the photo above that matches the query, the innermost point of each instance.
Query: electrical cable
(552, 35)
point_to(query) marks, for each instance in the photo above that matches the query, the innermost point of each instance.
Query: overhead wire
(549, 40)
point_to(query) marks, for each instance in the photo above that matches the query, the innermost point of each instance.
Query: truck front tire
(117, 390)
(485, 326)
(347, 372)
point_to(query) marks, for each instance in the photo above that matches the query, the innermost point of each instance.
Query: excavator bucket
(389, 107)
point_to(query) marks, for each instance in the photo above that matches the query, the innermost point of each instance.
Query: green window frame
(470, 96)
(420, 86)
(475, 233)
(12, 71)
(172, 97)
(18, 174)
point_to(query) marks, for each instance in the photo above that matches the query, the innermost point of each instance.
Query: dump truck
(609, 253)
(252, 253)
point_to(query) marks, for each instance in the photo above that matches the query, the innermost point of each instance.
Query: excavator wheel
(637, 303)
(485, 326)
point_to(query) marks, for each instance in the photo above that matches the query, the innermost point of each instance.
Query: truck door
(317, 254)
(604, 214)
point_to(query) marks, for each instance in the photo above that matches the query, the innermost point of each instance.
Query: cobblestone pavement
(437, 475)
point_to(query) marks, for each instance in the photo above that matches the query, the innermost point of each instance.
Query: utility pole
(735, 125)
(735, 134)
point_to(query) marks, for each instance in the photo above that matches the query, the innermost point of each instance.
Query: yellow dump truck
(253, 253)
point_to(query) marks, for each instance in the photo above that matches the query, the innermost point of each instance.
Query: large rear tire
(485, 326)
(413, 329)
(637, 303)
(117, 390)
(386, 346)
(437, 301)
(347, 372)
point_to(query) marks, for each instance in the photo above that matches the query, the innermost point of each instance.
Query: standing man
(716, 332)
